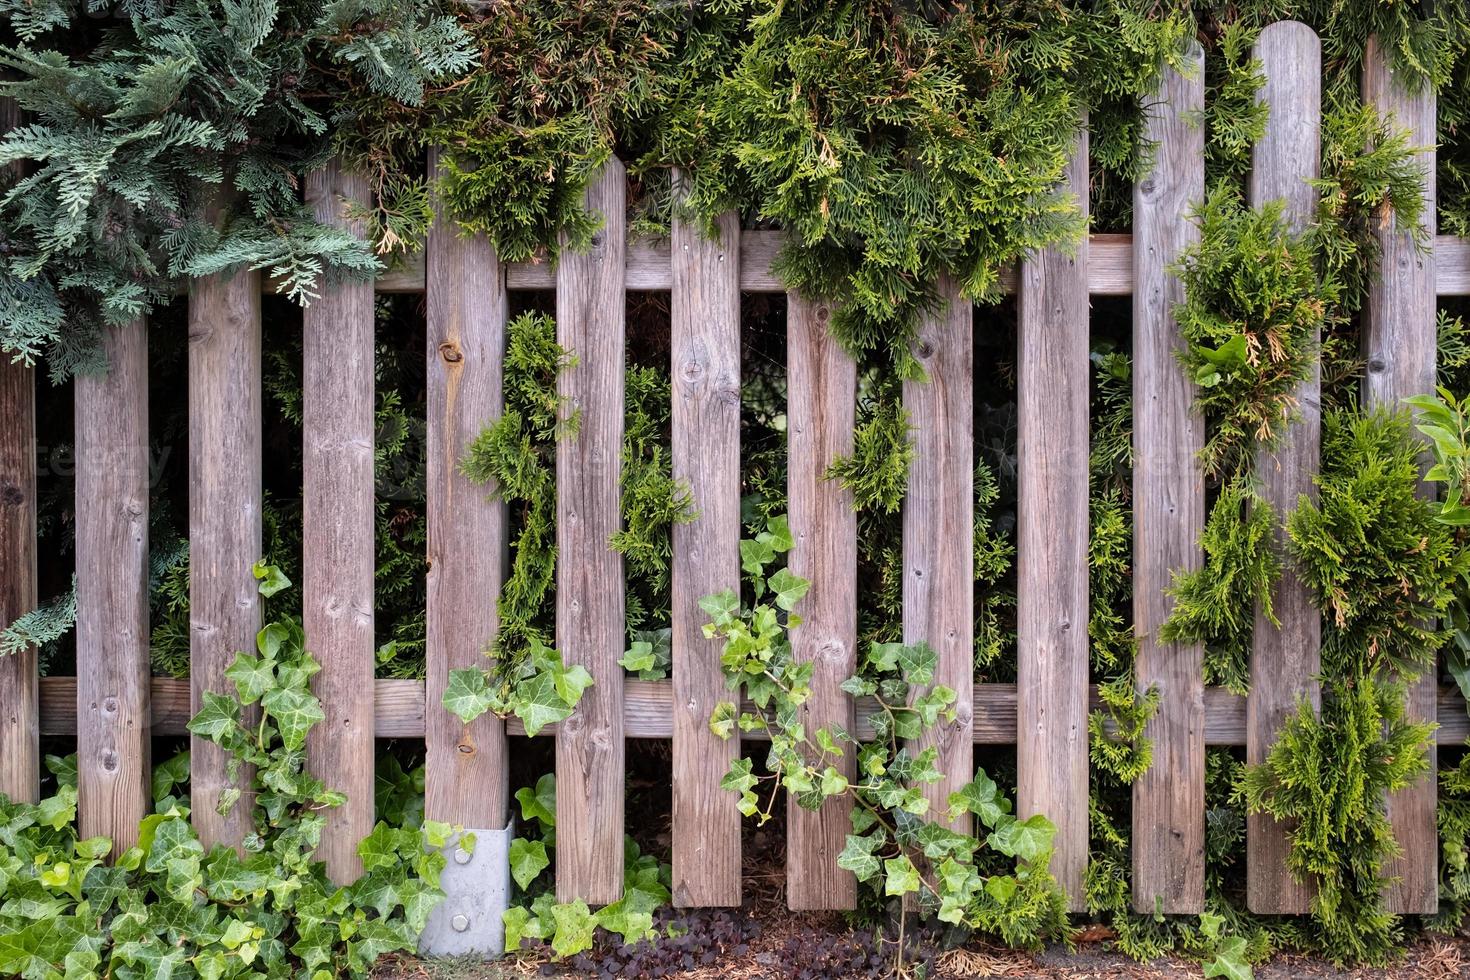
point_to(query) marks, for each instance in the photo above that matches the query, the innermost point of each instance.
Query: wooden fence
(113, 707)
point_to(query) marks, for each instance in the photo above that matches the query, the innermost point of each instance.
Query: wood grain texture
(19, 709)
(590, 614)
(467, 774)
(939, 531)
(20, 755)
(1052, 542)
(225, 523)
(821, 384)
(1451, 265)
(1399, 347)
(114, 765)
(337, 548)
(705, 372)
(648, 711)
(1285, 660)
(1168, 506)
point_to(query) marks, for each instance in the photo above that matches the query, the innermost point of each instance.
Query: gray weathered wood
(1399, 349)
(224, 522)
(1168, 506)
(939, 530)
(19, 710)
(337, 548)
(20, 757)
(821, 383)
(113, 757)
(1285, 660)
(1052, 542)
(705, 372)
(590, 614)
(467, 777)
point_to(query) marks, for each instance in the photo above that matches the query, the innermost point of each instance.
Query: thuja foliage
(72, 908)
(995, 882)
(537, 920)
(169, 141)
(1382, 567)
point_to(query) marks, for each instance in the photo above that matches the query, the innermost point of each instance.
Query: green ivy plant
(896, 846)
(568, 928)
(72, 908)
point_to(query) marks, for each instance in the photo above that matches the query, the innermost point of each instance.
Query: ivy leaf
(779, 534)
(788, 588)
(902, 876)
(539, 702)
(467, 694)
(574, 925)
(527, 860)
(295, 712)
(981, 797)
(540, 804)
(271, 579)
(722, 719)
(218, 717)
(1230, 960)
(639, 657)
(859, 855)
(1029, 839)
(252, 676)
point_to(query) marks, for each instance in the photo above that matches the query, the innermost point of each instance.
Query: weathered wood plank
(467, 779)
(1168, 506)
(821, 384)
(1399, 346)
(648, 712)
(20, 756)
(1285, 660)
(590, 614)
(705, 372)
(1452, 265)
(939, 530)
(113, 752)
(1052, 542)
(225, 522)
(337, 541)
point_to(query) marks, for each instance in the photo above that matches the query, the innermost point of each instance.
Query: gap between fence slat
(339, 524)
(590, 613)
(1052, 543)
(1168, 505)
(1285, 660)
(113, 752)
(466, 781)
(821, 381)
(224, 523)
(939, 532)
(1399, 347)
(705, 374)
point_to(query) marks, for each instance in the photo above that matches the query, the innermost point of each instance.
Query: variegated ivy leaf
(901, 876)
(252, 676)
(467, 694)
(981, 797)
(295, 711)
(722, 719)
(859, 855)
(574, 925)
(217, 718)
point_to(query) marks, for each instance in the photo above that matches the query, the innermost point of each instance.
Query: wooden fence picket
(1168, 506)
(705, 378)
(821, 381)
(590, 611)
(1053, 430)
(339, 514)
(939, 531)
(114, 756)
(1285, 660)
(466, 774)
(1400, 346)
(225, 522)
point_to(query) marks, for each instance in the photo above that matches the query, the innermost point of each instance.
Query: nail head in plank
(339, 511)
(590, 624)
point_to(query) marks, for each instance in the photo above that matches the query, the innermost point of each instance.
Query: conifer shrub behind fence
(114, 707)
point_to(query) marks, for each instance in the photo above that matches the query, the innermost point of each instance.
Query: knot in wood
(450, 351)
(923, 350)
(822, 314)
(11, 495)
(466, 748)
(1377, 365)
